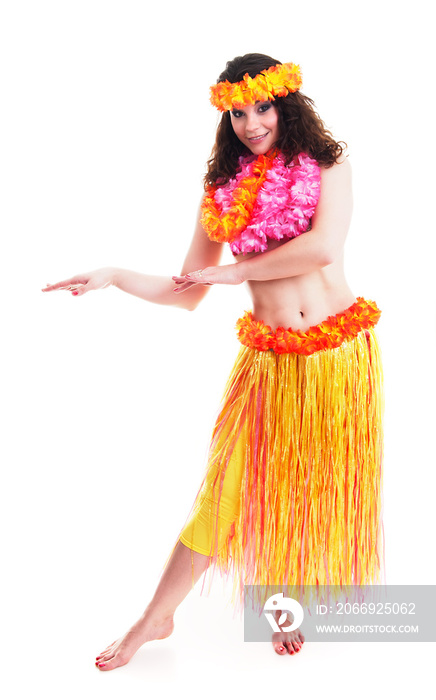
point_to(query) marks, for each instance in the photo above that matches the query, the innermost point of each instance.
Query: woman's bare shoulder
(338, 173)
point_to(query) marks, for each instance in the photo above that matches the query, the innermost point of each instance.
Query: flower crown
(278, 80)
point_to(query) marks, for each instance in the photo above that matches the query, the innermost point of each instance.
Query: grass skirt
(292, 489)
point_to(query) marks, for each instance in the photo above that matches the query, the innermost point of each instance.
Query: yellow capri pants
(218, 503)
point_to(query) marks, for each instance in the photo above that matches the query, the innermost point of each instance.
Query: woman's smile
(256, 139)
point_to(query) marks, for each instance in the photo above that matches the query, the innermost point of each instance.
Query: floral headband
(277, 81)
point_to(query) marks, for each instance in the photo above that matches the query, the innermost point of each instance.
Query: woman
(291, 494)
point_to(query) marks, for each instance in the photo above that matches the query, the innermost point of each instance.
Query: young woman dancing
(292, 490)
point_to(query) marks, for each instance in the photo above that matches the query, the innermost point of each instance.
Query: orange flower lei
(225, 227)
(278, 80)
(329, 334)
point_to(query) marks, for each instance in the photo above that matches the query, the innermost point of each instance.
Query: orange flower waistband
(329, 334)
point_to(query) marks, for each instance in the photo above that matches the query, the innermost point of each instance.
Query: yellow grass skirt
(292, 490)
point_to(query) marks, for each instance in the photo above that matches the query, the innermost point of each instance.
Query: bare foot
(287, 642)
(147, 628)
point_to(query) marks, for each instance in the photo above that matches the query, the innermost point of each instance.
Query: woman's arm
(310, 251)
(156, 289)
(161, 290)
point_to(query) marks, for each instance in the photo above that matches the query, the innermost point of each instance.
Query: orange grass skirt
(292, 490)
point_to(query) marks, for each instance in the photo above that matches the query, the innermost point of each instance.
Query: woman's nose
(252, 122)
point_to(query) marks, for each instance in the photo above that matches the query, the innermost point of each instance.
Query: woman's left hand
(222, 274)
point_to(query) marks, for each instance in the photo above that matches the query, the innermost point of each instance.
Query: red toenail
(102, 664)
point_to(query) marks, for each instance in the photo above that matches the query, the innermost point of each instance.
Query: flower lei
(329, 334)
(277, 81)
(226, 211)
(265, 200)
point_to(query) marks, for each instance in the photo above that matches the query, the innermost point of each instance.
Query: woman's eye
(265, 107)
(237, 113)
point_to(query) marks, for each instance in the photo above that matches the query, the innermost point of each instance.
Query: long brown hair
(301, 128)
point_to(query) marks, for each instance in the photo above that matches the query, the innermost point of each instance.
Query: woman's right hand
(80, 284)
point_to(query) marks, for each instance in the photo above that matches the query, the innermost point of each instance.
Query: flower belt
(329, 334)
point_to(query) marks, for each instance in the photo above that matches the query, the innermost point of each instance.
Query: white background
(108, 402)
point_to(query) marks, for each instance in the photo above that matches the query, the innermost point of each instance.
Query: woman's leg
(183, 570)
(185, 565)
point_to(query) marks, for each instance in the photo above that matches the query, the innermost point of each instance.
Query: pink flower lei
(284, 205)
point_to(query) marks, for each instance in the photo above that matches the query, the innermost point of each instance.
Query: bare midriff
(300, 301)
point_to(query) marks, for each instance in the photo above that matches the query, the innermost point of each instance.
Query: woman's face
(257, 126)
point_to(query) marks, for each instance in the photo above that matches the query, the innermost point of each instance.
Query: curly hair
(301, 128)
